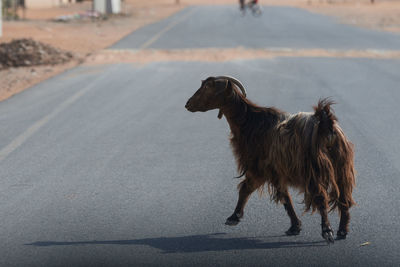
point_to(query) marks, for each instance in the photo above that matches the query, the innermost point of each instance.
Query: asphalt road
(221, 26)
(103, 166)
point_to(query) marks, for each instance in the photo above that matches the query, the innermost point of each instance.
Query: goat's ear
(220, 114)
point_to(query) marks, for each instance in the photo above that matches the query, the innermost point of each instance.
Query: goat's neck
(235, 112)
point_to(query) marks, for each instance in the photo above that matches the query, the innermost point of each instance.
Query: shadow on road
(189, 244)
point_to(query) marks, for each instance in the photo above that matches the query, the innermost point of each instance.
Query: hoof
(327, 234)
(293, 230)
(234, 219)
(231, 222)
(341, 234)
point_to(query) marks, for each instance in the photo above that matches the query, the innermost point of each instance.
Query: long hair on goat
(305, 150)
(254, 122)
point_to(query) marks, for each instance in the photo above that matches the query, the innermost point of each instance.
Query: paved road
(103, 166)
(220, 26)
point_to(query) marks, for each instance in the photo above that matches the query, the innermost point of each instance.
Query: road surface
(103, 166)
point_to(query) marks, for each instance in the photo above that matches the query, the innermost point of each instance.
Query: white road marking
(166, 29)
(19, 140)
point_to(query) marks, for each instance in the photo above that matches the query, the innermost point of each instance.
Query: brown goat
(307, 151)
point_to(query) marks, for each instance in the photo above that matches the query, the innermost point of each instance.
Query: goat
(307, 151)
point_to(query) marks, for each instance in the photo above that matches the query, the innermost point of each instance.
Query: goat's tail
(331, 174)
(325, 116)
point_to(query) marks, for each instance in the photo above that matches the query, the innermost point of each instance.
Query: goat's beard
(220, 114)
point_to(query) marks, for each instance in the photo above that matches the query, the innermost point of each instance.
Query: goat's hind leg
(327, 232)
(247, 186)
(344, 222)
(345, 202)
(295, 227)
(344, 206)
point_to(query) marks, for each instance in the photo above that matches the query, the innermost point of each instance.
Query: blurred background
(82, 27)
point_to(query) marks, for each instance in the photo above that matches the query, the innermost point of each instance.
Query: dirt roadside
(227, 54)
(382, 15)
(86, 39)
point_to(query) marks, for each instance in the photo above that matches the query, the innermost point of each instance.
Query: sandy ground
(382, 15)
(221, 55)
(87, 39)
(87, 36)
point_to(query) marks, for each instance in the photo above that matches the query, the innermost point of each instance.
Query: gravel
(28, 52)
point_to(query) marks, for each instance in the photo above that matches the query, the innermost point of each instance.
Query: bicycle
(253, 6)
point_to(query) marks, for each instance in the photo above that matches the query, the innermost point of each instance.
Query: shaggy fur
(307, 151)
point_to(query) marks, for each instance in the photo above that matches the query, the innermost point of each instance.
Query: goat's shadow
(190, 244)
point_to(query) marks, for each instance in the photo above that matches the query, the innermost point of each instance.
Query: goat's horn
(235, 81)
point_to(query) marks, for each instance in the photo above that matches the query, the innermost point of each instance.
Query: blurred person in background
(251, 3)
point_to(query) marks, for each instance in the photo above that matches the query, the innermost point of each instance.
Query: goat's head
(213, 93)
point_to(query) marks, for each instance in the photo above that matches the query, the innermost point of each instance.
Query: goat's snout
(188, 105)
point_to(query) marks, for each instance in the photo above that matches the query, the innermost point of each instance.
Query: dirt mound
(28, 52)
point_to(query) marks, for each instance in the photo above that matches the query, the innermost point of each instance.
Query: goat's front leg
(248, 186)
